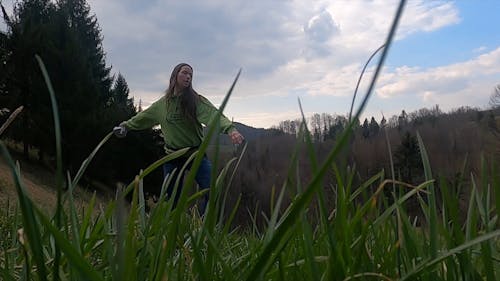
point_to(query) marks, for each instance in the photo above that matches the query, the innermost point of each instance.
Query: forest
(91, 99)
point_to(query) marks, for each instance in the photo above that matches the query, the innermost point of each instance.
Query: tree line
(91, 100)
(326, 126)
(457, 142)
(368, 137)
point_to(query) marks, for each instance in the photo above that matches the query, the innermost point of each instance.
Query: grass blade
(87, 161)
(59, 173)
(73, 255)
(425, 265)
(432, 199)
(10, 119)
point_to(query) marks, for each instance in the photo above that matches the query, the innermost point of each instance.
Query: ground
(39, 183)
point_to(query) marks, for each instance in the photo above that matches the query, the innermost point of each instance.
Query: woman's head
(181, 85)
(180, 79)
(184, 77)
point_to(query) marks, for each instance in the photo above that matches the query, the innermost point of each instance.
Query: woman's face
(184, 77)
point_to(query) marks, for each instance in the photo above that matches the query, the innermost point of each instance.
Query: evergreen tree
(374, 128)
(139, 106)
(88, 34)
(121, 159)
(383, 122)
(365, 129)
(402, 120)
(119, 107)
(80, 78)
(68, 40)
(120, 95)
(407, 158)
(490, 122)
(28, 33)
(338, 127)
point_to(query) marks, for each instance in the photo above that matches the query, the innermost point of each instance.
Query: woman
(180, 114)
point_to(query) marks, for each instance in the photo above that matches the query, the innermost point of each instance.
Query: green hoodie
(178, 132)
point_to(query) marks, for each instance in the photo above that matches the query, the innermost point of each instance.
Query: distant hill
(250, 133)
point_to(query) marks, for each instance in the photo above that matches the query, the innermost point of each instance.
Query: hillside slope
(39, 184)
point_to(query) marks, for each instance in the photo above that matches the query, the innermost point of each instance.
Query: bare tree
(316, 126)
(495, 97)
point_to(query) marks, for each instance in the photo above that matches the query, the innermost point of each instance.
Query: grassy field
(374, 240)
(367, 235)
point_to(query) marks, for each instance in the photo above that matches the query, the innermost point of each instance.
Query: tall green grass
(359, 239)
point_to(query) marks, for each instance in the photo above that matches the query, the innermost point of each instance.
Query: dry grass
(39, 182)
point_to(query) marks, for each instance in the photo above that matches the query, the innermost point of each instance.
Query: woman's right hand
(120, 131)
(236, 137)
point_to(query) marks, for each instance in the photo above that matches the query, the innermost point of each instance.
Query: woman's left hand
(236, 137)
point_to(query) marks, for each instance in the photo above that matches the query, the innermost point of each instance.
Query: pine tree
(120, 94)
(365, 129)
(28, 33)
(119, 107)
(374, 128)
(407, 158)
(402, 120)
(139, 106)
(85, 28)
(81, 79)
(338, 126)
(383, 123)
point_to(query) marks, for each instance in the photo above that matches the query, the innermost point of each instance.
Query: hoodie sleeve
(206, 112)
(147, 118)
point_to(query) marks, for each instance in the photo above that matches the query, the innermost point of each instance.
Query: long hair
(189, 97)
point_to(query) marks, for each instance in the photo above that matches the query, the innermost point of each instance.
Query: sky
(445, 53)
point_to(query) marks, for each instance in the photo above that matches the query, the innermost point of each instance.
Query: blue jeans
(202, 178)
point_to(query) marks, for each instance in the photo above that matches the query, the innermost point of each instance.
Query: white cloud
(264, 119)
(479, 50)
(429, 16)
(364, 25)
(263, 37)
(145, 98)
(429, 97)
(8, 5)
(444, 80)
(321, 27)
